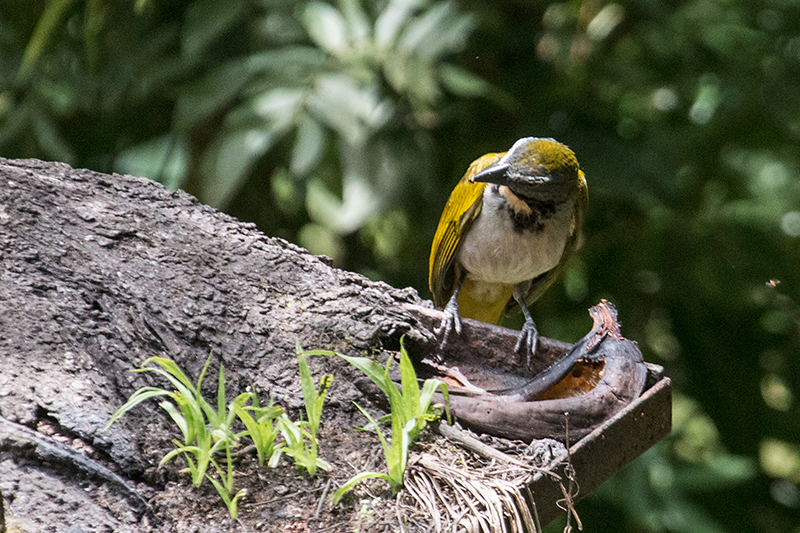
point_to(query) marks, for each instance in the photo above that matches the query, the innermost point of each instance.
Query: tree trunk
(101, 272)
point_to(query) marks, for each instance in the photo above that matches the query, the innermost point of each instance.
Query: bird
(505, 234)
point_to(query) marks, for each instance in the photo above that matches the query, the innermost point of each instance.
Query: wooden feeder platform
(605, 402)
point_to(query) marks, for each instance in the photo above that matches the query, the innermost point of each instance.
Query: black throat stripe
(534, 221)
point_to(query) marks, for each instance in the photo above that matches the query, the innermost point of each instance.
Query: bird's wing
(542, 282)
(461, 210)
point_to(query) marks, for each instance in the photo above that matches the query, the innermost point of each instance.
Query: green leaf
(205, 21)
(686, 516)
(308, 389)
(203, 456)
(234, 503)
(267, 413)
(254, 431)
(215, 418)
(276, 455)
(400, 415)
(193, 470)
(309, 146)
(179, 420)
(193, 414)
(140, 5)
(357, 21)
(463, 82)
(312, 398)
(384, 443)
(326, 27)
(210, 94)
(324, 386)
(239, 401)
(247, 419)
(221, 392)
(224, 493)
(287, 67)
(353, 481)
(424, 28)
(370, 368)
(93, 19)
(428, 390)
(391, 21)
(295, 437)
(170, 455)
(183, 391)
(413, 75)
(278, 106)
(397, 468)
(719, 472)
(164, 159)
(260, 429)
(408, 380)
(354, 111)
(438, 31)
(48, 24)
(229, 160)
(175, 374)
(145, 393)
(290, 431)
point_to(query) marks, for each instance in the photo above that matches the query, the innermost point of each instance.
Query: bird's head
(541, 169)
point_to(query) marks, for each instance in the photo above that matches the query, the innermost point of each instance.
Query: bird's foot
(451, 321)
(528, 341)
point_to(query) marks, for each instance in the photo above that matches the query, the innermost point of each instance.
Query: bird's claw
(450, 321)
(528, 340)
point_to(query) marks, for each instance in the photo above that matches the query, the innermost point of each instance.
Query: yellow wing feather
(459, 213)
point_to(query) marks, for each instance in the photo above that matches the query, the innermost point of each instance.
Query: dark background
(343, 127)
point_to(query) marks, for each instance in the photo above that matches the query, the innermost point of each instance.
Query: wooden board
(608, 448)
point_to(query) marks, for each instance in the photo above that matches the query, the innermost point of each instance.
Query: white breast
(492, 251)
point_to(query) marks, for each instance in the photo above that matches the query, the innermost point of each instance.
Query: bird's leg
(529, 336)
(451, 319)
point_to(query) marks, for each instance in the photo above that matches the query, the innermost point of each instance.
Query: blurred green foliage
(343, 126)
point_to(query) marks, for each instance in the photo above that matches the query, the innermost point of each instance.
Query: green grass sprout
(411, 410)
(260, 426)
(206, 431)
(300, 437)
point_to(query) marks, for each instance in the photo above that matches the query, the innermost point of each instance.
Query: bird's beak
(497, 173)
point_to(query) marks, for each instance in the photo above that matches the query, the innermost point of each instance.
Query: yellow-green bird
(506, 233)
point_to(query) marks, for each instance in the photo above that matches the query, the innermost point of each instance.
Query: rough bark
(100, 272)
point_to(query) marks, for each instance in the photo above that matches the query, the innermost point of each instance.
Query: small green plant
(225, 487)
(411, 410)
(189, 415)
(206, 431)
(220, 438)
(301, 437)
(261, 428)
